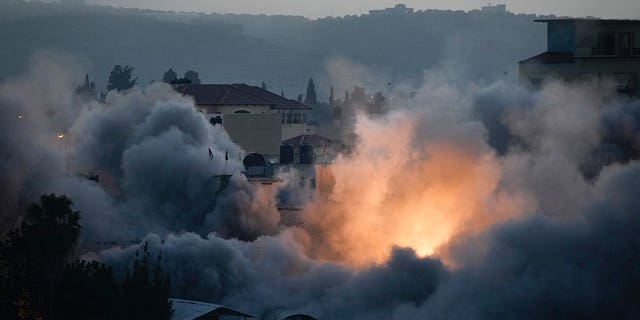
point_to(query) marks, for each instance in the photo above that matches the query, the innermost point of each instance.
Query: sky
(315, 9)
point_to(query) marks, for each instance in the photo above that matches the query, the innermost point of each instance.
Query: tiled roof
(552, 57)
(237, 94)
(310, 139)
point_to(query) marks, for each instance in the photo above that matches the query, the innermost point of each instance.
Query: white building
(500, 8)
(399, 9)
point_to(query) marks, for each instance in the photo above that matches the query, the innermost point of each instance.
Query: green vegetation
(36, 281)
(120, 78)
(281, 50)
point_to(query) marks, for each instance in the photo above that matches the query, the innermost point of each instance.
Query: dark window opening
(536, 83)
(625, 43)
(241, 111)
(216, 120)
(606, 43)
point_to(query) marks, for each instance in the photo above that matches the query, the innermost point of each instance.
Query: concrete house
(256, 119)
(587, 49)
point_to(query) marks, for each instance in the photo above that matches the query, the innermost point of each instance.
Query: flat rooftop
(634, 21)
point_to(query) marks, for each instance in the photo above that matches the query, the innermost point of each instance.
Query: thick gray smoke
(149, 149)
(541, 268)
(565, 156)
(274, 272)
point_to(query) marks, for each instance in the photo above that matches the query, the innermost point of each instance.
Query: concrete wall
(290, 130)
(226, 109)
(614, 69)
(287, 130)
(260, 133)
(561, 36)
(587, 34)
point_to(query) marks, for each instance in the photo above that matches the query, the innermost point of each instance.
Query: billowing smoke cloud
(275, 272)
(541, 267)
(149, 149)
(463, 202)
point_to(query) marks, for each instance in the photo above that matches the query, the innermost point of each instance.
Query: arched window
(241, 111)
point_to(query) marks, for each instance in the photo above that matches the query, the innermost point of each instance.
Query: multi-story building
(256, 119)
(398, 9)
(587, 49)
(497, 9)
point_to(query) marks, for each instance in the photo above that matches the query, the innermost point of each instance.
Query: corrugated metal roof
(237, 94)
(285, 314)
(190, 310)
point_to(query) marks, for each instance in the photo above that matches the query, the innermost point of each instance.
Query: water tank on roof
(306, 154)
(286, 154)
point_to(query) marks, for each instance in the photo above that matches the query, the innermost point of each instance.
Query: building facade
(399, 9)
(256, 119)
(587, 50)
(497, 9)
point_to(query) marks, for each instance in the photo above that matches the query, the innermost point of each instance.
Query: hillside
(284, 51)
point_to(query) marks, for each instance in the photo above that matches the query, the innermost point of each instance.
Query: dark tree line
(37, 282)
(120, 78)
(87, 90)
(190, 76)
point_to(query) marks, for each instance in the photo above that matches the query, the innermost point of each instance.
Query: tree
(169, 76)
(192, 76)
(282, 93)
(37, 251)
(120, 78)
(87, 290)
(311, 98)
(332, 97)
(377, 104)
(87, 90)
(359, 96)
(300, 98)
(347, 99)
(263, 86)
(145, 293)
(181, 81)
(15, 301)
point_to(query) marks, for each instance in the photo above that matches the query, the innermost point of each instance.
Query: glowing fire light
(396, 191)
(61, 136)
(19, 117)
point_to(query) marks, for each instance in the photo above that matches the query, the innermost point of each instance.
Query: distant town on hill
(282, 51)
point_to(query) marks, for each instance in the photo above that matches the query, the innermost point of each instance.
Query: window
(536, 83)
(288, 118)
(625, 43)
(242, 111)
(296, 117)
(606, 43)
